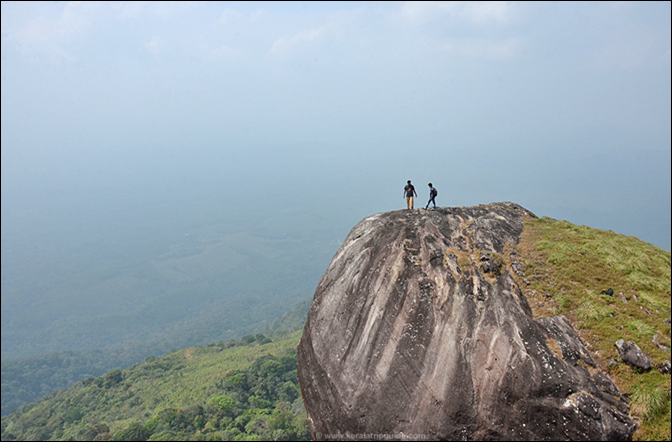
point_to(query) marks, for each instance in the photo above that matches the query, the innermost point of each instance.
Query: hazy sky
(563, 108)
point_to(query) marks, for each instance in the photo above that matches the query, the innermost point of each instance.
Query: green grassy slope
(566, 269)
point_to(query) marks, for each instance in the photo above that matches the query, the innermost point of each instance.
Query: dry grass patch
(553, 345)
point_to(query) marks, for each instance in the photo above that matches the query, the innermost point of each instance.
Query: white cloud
(627, 49)
(217, 53)
(488, 12)
(132, 10)
(154, 45)
(259, 15)
(283, 44)
(229, 16)
(46, 36)
(499, 50)
(421, 11)
(336, 25)
(138, 9)
(439, 24)
(481, 13)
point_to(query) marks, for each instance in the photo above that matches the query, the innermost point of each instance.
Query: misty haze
(178, 174)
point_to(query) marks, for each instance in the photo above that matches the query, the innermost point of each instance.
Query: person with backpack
(432, 194)
(409, 190)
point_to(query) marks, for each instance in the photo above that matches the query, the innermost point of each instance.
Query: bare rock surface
(633, 355)
(419, 331)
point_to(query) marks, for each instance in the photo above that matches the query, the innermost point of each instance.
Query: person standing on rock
(432, 194)
(409, 190)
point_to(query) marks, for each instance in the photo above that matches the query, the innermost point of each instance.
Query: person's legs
(411, 198)
(408, 202)
(434, 203)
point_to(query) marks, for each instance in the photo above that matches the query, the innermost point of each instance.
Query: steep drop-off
(419, 330)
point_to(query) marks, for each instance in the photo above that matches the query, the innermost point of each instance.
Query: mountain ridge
(549, 254)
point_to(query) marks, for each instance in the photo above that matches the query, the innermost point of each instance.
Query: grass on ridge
(566, 269)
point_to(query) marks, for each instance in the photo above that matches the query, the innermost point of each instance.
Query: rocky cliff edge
(419, 331)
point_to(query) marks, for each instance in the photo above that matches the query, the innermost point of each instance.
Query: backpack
(435, 192)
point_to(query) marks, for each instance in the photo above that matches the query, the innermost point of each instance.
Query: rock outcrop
(633, 355)
(419, 331)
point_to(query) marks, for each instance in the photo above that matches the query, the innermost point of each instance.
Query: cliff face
(418, 330)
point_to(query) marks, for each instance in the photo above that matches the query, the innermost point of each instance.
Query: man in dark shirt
(432, 194)
(409, 191)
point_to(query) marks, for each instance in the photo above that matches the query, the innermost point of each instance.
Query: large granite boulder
(419, 331)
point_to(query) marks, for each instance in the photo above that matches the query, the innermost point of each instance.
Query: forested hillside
(243, 390)
(26, 379)
(80, 312)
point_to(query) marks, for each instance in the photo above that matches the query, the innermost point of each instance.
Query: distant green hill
(201, 290)
(26, 379)
(235, 389)
(247, 389)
